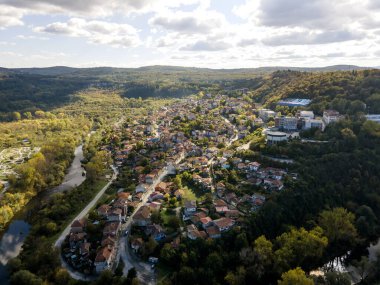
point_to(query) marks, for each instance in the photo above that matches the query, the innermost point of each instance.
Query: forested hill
(342, 91)
(31, 89)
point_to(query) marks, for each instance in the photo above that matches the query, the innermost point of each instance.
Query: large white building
(312, 123)
(374, 118)
(306, 114)
(286, 123)
(276, 137)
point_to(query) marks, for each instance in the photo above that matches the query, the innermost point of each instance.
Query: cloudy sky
(203, 33)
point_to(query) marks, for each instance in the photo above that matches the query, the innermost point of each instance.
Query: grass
(165, 216)
(193, 194)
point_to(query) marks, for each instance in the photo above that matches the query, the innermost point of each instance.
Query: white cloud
(207, 45)
(199, 21)
(10, 16)
(95, 8)
(98, 32)
(311, 38)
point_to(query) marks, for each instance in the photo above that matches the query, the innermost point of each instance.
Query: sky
(199, 33)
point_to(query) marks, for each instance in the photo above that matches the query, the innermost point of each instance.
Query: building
(312, 123)
(286, 123)
(373, 118)
(276, 137)
(306, 114)
(295, 102)
(265, 114)
(330, 116)
(104, 258)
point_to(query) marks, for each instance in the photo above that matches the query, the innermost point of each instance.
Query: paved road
(85, 211)
(145, 274)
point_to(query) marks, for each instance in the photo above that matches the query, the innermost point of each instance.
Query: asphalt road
(85, 211)
(144, 272)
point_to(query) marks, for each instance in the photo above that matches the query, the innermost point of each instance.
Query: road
(85, 211)
(145, 274)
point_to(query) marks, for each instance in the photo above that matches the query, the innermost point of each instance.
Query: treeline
(44, 170)
(160, 90)
(29, 93)
(347, 92)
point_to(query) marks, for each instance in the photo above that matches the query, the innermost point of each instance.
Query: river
(12, 240)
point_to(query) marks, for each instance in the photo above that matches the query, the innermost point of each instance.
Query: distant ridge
(62, 70)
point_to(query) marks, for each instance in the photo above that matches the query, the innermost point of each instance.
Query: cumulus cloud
(292, 12)
(311, 38)
(94, 8)
(204, 45)
(99, 32)
(10, 16)
(202, 22)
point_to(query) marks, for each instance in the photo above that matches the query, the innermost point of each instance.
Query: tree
(28, 115)
(237, 278)
(337, 278)
(299, 247)
(39, 114)
(174, 222)
(25, 277)
(295, 277)
(338, 226)
(16, 116)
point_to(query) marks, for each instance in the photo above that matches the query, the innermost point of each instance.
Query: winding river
(13, 238)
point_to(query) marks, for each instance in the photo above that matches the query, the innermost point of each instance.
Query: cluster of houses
(200, 225)
(111, 216)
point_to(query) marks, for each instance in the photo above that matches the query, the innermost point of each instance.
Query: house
(221, 209)
(136, 244)
(254, 166)
(190, 207)
(232, 199)
(76, 238)
(103, 210)
(108, 241)
(233, 214)
(78, 226)
(111, 229)
(206, 222)
(103, 259)
(124, 195)
(213, 232)
(155, 231)
(149, 178)
(224, 224)
(161, 187)
(115, 215)
(142, 217)
(193, 233)
(141, 188)
(330, 116)
(154, 206)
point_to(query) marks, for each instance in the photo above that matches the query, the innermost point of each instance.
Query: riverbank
(15, 233)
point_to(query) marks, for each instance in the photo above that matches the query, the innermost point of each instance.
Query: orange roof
(103, 254)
